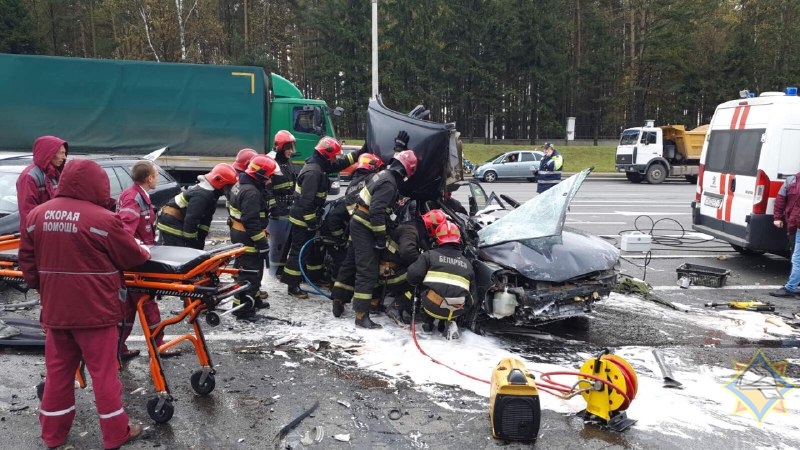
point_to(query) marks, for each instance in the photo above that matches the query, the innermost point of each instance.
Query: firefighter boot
(261, 300)
(338, 307)
(296, 292)
(375, 306)
(363, 321)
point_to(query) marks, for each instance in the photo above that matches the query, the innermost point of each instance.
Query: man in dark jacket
(37, 182)
(443, 277)
(549, 173)
(248, 219)
(82, 298)
(186, 219)
(281, 198)
(310, 193)
(369, 232)
(787, 214)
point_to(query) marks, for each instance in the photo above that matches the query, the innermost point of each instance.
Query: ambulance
(752, 146)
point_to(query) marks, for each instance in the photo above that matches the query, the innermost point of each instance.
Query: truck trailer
(203, 113)
(652, 153)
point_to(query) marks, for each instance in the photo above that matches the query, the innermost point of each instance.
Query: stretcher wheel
(40, 390)
(212, 319)
(207, 386)
(164, 414)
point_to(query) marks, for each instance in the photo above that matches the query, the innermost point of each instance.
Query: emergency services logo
(760, 386)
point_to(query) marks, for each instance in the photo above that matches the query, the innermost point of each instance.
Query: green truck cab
(203, 113)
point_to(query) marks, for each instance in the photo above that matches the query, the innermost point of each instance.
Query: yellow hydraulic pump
(514, 408)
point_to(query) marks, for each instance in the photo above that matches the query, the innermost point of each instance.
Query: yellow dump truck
(651, 153)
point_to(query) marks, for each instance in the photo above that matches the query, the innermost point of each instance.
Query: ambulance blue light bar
(791, 90)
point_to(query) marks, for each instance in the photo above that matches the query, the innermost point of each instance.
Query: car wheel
(656, 174)
(532, 179)
(490, 177)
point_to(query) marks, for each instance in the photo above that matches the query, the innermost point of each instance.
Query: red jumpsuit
(72, 250)
(37, 182)
(138, 216)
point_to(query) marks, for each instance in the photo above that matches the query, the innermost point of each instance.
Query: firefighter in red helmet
(281, 199)
(443, 277)
(186, 219)
(310, 194)
(243, 158)
(369, 235)
(248, 223)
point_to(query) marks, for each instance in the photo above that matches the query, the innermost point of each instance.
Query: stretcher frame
(201, 291)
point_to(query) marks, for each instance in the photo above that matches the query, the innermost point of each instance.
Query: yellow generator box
(514, 408)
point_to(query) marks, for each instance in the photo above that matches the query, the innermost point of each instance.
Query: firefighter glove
(313, 225)
(362, 150)
(380, 241)
(401, 141)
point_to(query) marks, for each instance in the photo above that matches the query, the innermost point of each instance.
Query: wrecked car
(530, 270)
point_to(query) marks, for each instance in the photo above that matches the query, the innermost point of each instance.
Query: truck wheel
(656, 174)
(634, 177)
(490, 177)
(691, 179)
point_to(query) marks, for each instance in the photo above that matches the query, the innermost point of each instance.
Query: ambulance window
(744, 159)
(719, 145)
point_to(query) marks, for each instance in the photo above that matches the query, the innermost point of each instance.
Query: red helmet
(282, 139)
(409, 161)
(243, 157)
(432, 219)
(370, 162)
(262, 167)
(222, 175)
(328, 147)
(448, 233)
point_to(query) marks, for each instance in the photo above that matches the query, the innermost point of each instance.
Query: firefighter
(37, 182)
(334, 229)
(310, 193)
(395, 260)
(443, 277)
(369, 232)
(248, 221)
(139, 219)
(281, 199)
(243, 158)
(82, 298)
(432, 219)
(186, 219)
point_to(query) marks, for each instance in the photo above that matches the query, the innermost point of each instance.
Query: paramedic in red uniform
(72, 250)
(37, 182)
(139, 219)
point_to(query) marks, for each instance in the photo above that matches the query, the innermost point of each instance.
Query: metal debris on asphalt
(342, 437)
(313, 436)
(343, 403)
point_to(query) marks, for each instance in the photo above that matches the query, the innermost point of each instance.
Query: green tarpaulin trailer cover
(113, 106)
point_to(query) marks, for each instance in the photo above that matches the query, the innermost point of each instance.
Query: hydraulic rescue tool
(514, 408)
(745, 305)
(611, 385)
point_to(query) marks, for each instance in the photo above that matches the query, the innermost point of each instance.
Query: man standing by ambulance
(82, 298)
(787, 214)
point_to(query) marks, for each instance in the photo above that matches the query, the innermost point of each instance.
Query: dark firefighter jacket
(248, 213)
(375, 203)
(445, 270)
(312, 186)
(334, 229)
(192, 221)
(282, 187)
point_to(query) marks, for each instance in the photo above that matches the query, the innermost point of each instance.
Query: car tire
(532, 179)
(656, 174)
(490, 176)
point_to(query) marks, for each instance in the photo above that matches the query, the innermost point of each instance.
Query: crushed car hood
(541, 216)
(554, 258)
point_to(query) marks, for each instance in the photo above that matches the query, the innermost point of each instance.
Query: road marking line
(628, 256)
(629, 213)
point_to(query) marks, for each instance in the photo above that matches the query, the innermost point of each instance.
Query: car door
(506, 168)
(528, 160)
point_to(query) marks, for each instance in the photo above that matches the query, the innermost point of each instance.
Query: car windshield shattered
(539, 217)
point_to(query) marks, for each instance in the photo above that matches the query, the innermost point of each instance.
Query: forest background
(526, 64)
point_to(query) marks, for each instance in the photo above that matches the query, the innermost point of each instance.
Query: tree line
(513, 69)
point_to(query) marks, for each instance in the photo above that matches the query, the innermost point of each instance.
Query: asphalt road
(262, 386)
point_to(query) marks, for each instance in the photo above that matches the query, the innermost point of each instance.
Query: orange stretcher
(194, 276)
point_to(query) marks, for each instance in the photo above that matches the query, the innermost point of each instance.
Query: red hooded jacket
(30, 192)
(136, 211)
(73, 250)
(786, 204)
